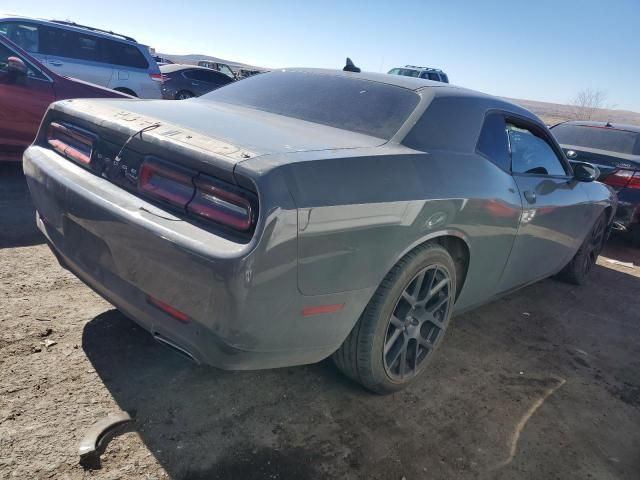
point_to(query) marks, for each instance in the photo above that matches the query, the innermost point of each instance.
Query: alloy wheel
(417, 322)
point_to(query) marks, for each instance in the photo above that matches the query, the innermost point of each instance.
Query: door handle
(56, 63)
(530, 196)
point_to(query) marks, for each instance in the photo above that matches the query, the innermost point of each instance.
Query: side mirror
(16, 66)
(585, 172)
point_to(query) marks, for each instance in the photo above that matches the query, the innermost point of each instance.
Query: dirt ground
(542, 384)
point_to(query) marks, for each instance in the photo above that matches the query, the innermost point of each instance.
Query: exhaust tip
(178, 349)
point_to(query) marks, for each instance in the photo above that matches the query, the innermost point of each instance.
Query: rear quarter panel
(357, 216)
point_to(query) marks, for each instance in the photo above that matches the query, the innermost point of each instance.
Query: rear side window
(208, 76)
(532, 154)
(66, 43)
(493, 142)
(361, 106)
(599, 138)
(124, 54)
(217, 78)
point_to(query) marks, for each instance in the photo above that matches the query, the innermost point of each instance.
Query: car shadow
(180, 407)
(620, 248)
(310, 422)
(17, 213)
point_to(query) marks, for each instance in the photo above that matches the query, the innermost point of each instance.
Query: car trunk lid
(606, 161)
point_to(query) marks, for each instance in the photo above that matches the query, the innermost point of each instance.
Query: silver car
(105, 58)
(300, 214)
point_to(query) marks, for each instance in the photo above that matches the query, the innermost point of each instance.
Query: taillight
(620, 178)
(634, 182)
(169, 184)
(158, 77)
(72, 142)
(218, 202)
(201, 196)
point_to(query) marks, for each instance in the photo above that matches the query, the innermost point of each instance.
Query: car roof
(176, 67)
(438, 89)
(76, 28)
(613, 126)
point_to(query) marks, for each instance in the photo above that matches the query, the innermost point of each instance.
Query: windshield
(405, 72)
(362, 106)
(600, 138)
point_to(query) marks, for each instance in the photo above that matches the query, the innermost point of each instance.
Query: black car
(615, 150)
(185, 81)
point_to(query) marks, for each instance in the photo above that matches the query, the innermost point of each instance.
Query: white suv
(427, 73)
(97, 56)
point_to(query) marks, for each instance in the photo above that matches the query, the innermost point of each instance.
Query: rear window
(361, 106)
(600, 138)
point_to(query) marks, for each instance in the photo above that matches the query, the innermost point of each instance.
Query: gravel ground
(542, 384)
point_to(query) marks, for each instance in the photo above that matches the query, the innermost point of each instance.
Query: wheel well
(126, 90)
(459, 252)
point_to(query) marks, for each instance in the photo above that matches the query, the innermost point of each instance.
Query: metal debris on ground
(97, 437)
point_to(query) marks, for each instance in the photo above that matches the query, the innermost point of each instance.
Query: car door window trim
(544, 135)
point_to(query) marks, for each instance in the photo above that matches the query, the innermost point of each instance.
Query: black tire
(373, 349)
(184, 94)
(577, 270)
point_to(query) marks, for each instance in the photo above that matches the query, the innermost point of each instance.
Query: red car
(26, 89)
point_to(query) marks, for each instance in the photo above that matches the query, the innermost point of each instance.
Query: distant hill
(194, 58)
(552, 113)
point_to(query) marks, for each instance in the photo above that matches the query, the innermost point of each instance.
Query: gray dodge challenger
(305, 213)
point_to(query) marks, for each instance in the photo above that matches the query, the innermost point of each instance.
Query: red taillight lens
(169, 184)
(72, 142)
(220, 203)
(201, 196)
(635, 181)
(619, 178)
(158, 77)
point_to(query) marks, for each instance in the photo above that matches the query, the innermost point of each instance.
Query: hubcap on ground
(594, 246)
(417, 322)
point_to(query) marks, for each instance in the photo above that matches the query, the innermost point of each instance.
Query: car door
(215, 79)
(75, 54)
(556, 212)
(23, 102)
(199, 81)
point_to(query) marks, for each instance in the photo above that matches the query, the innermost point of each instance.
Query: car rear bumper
(628, 211)
(243, 306)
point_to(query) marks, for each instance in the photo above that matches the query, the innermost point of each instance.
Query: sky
(536, 50)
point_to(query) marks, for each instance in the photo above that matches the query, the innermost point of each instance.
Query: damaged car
(615, 150)
(304, 213)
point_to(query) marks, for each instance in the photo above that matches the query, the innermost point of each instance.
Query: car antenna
(608, 124)
(139, 132)
(350, 67)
